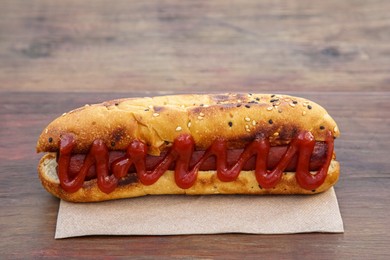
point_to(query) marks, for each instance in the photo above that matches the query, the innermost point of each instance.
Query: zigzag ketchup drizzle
(181, 153)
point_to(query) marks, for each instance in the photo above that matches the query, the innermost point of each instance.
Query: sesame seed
(335, 129)
(276, 134)
(86, 105)
(269, 108)
(201, 105)
(50, 139)
(201, 114)
(150, 106)
(247, 106)
(303, 113)
(116, 104)
(270, 121)
(254, 122)
(230, 123)
(146, 109)
(247, 119)
(239, 101)
(206, 106)
(200, 117)
(238, 105)
(178, 128)
(247, 126)
(247, 129)
(112, 143)
(189, 124)
(63, 114)
(292, 104)
(46, 130)
(309, 107)
(279, 110)
(273, 95)
(322, 127)
(257, 99)
(295, 102)
(156, 114)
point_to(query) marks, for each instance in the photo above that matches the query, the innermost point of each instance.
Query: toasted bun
(206, 183)
(157, 121)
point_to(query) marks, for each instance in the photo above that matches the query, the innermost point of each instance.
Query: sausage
(276, 152)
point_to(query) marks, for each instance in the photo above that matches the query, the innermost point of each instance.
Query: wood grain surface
(202, 45)
(55, 56)
(28, 213)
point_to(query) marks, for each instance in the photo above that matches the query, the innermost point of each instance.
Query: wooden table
(58, 56)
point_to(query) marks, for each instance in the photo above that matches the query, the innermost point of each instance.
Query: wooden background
(58, 55)
(194, 45)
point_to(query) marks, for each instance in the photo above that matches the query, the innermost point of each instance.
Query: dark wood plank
(194, 46)
(28, 213)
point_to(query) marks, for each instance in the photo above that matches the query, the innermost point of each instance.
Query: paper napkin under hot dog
(178, 215)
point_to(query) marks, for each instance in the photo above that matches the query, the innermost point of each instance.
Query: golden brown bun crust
(157, 121)
(206, 183)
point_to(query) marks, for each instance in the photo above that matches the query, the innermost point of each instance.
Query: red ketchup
(181, 153)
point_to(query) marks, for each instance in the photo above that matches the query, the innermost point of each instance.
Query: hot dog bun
(206, 183)
(158, 121)
(236, 118)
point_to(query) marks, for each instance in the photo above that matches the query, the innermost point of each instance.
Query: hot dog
(190, 144)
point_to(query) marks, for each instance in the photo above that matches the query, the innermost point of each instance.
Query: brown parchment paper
(178, 214)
